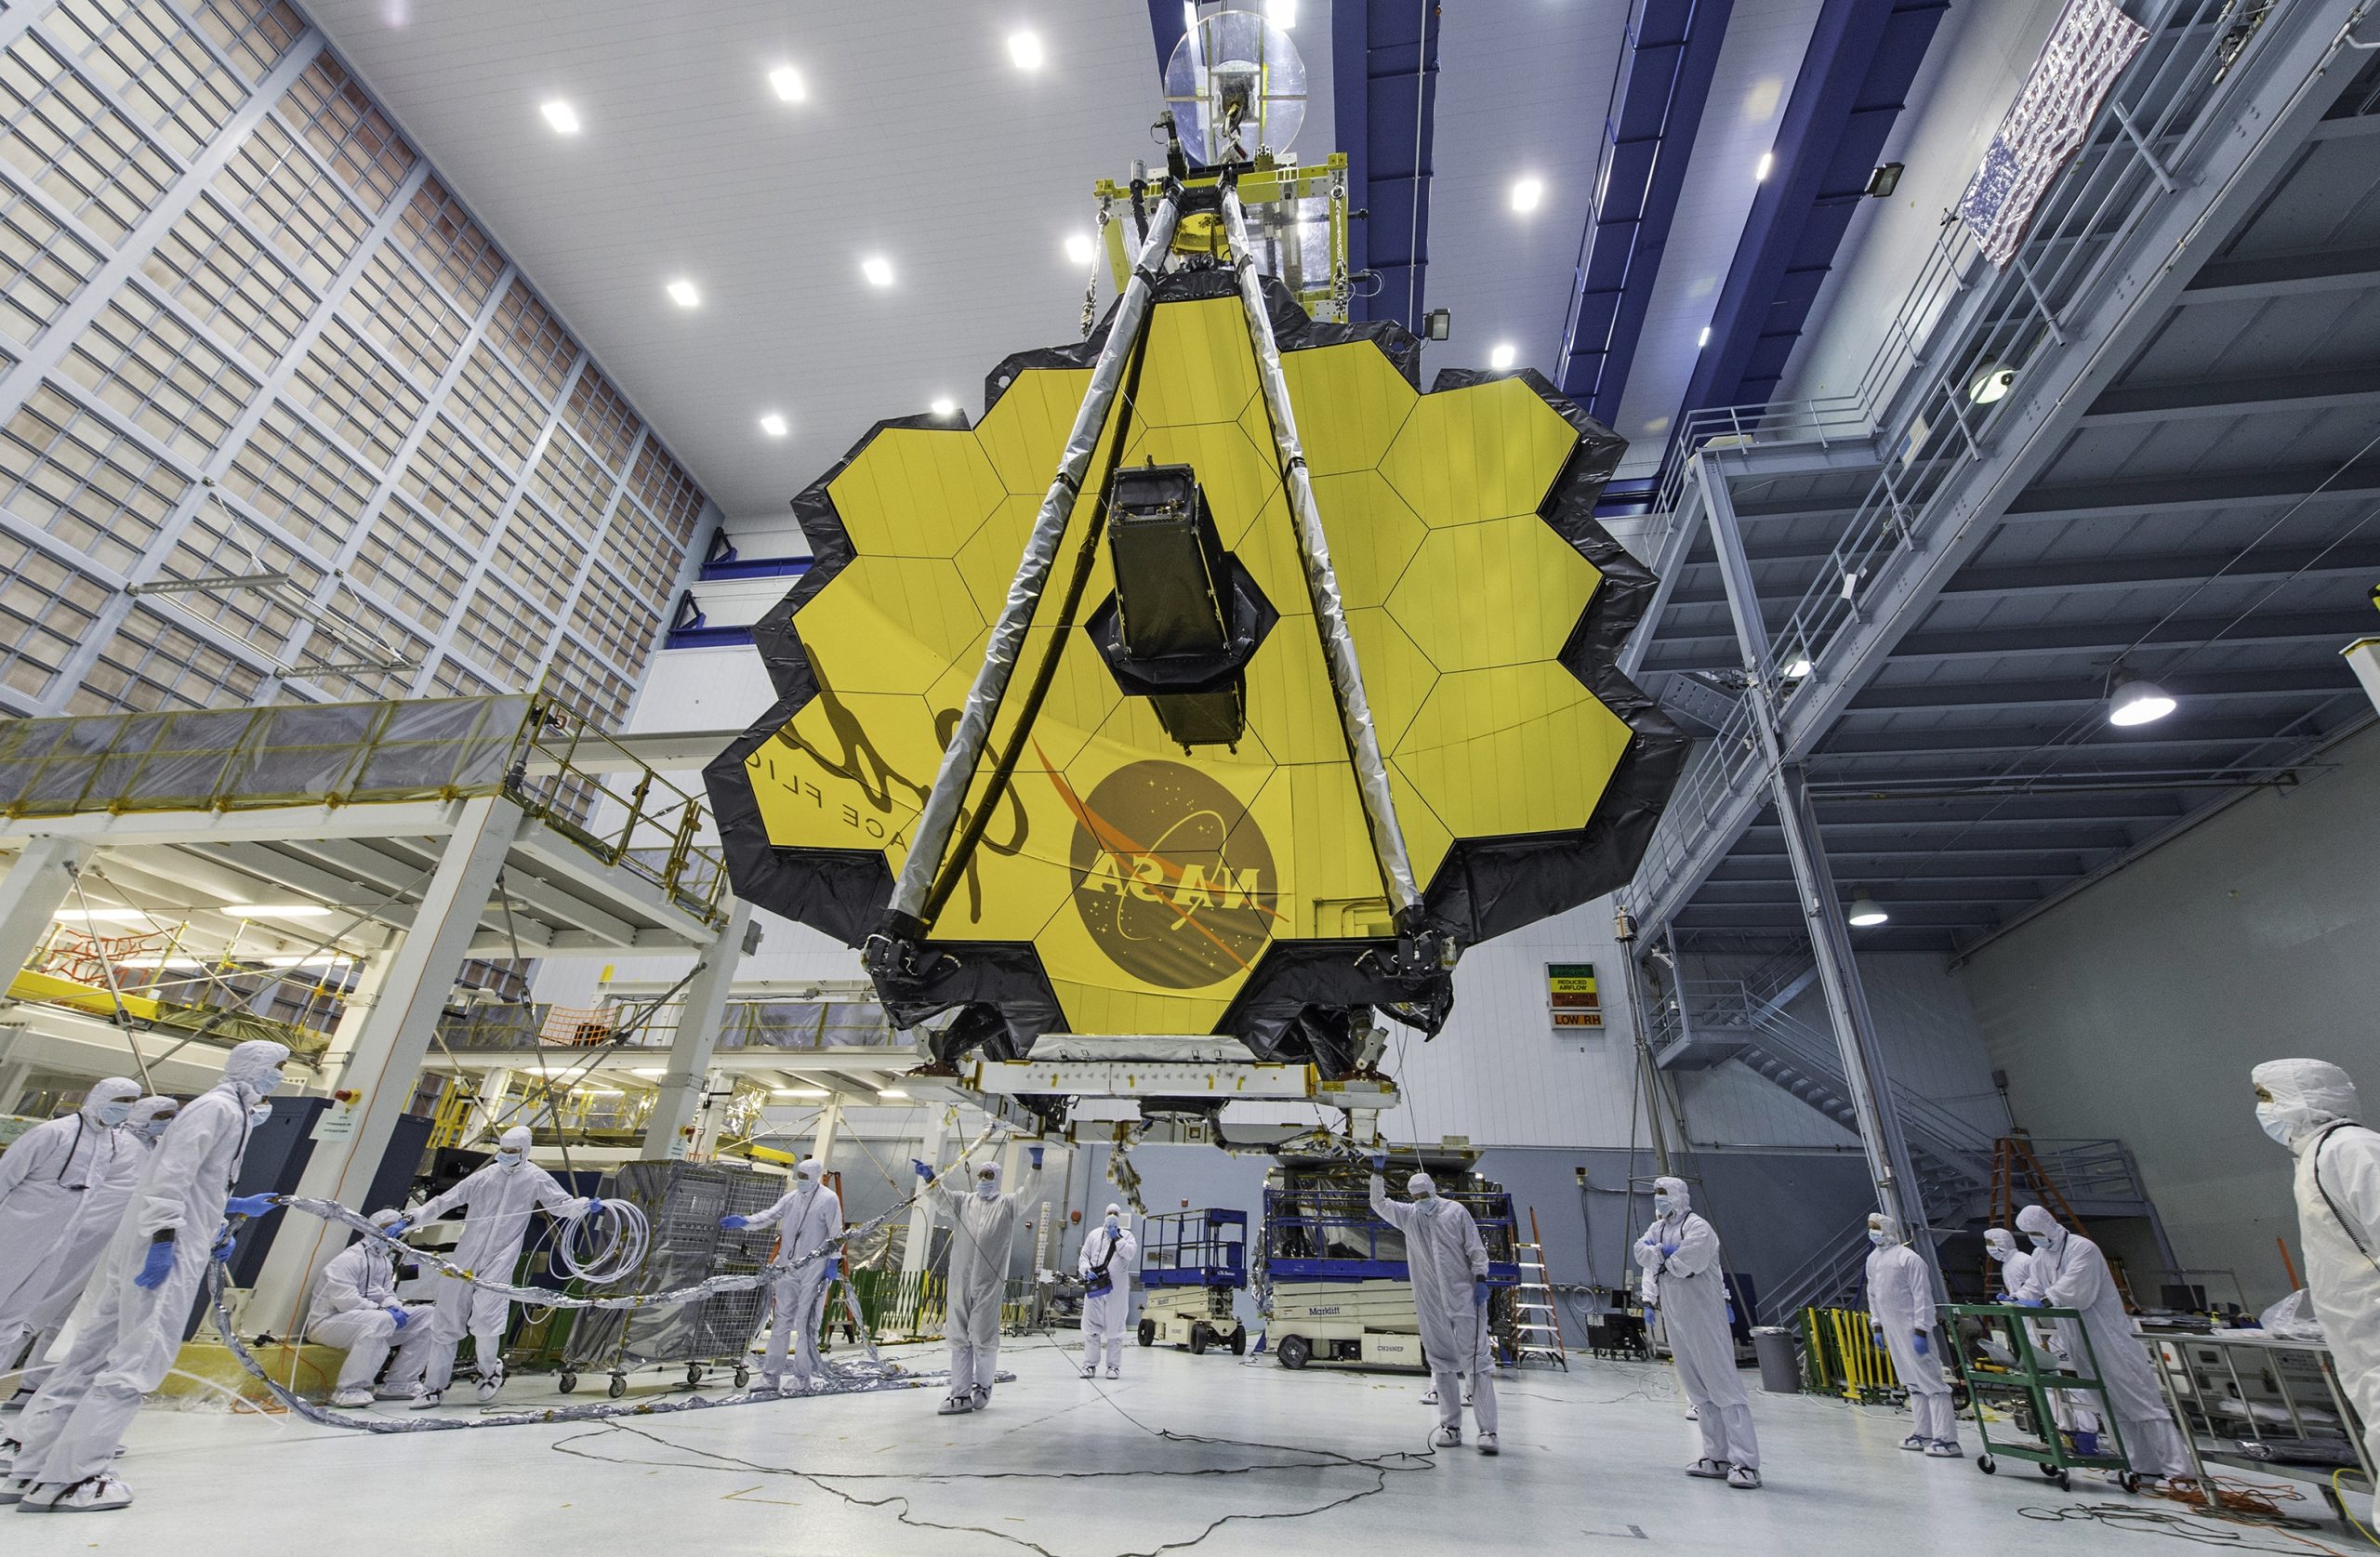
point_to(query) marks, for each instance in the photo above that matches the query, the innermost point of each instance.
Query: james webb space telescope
(1205, 698)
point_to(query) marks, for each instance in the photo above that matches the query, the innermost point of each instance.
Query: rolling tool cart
(683, 1202)
(2006, 1368)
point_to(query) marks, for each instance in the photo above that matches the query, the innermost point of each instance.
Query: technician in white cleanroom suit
(983, 1228)
(1105, 1266)
(498, 1199)
(2308, 1107)
(68, 1436)
(1680, 1253)
(2015, 1265)
(2071, 1273)
(1448, 1266)
(86, 1243)
(1901, 1308)
(813, 1218)
(45, 1178)
(356, 1309)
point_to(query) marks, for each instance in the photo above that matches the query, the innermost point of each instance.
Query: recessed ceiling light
(798, 1091)
(1501, 355)
(787, 84)
(1704, 339)
(878, 269)
(891, 1092)
(1024, 48)
(1767, 161)
(773, 425)
(682, 293)
(648, 1072)
(1282, 14)
(277, 910)
(1078, 248)
(1528, 194)
(946, 406)
(562, 116)
(98, 916)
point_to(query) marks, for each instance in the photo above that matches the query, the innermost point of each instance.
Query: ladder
(1537, 1324)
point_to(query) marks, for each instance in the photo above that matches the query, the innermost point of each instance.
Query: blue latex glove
(735, 1224)
(594, 1204)
(2032, 1302)
(1034, 1153)
(1668, 1250)
(1878, 1331)
(1380, 1162)
(156, 1266)
(2003, 1298)
(1479, 1292)
(224, 1243)
(925, 1170)
(399, 1314)
(397, 1228)
(1924, 1347)
(250, 1205)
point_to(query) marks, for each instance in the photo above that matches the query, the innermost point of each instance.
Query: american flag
(2047, 123)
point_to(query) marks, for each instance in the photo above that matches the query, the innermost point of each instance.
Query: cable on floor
(1312, 1458)
(2339, 1493)
(2249, 1509)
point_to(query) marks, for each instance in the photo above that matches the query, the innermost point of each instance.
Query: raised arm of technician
(1396, 1213)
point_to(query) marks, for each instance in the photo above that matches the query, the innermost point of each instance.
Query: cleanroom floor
(1210, 1453)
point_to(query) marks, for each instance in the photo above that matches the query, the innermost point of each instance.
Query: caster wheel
(619, 1386)
(694, 1374)
(1986, 1464)
(2131, 1482)
(1239, 1343)
(743, 1377)
(568, 1382)
(2052, 1471)
(1148, 1333)
(1295, 1352)
(1199, 1335)
(2065, 1482)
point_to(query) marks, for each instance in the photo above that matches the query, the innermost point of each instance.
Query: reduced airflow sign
(1570, 993)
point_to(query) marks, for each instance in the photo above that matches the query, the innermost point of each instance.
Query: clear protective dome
(1236, 85)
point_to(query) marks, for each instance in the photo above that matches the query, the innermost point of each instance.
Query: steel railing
(1961, 320)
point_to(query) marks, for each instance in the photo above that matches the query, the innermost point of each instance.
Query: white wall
(2136, 1008)
(1980, 56)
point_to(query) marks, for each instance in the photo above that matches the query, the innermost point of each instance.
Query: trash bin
(1780, 1364)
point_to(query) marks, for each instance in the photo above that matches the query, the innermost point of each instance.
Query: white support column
(33, 891)
(389, 1050)
(710, 1116)
(698, 1036)
(913, 1256)
(822, 1145)
(489, 1113)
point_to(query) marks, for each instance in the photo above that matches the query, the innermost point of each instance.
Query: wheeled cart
(684, 1203)
(2003, 1365)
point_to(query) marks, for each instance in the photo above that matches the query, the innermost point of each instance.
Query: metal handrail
(1960, 319)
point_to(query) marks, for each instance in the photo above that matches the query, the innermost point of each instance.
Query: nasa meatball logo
(1172, 876)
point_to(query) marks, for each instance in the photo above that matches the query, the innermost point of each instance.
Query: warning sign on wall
(1571, 996)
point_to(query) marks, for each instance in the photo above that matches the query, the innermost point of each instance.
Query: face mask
(1111, 1224)
(1876, 1237)
(114, 1114)
(271, 1082)
(987, 1187)
(155, 1129)
(2040, 1240)
(2000, 1253)
(1663, 1204)
(508, 1159)
(258, 1115)
(2268, 1115)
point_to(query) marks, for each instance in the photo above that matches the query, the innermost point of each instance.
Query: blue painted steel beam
(1166, 25)
(1862, 58)
(1649, 140)
(1385, 89)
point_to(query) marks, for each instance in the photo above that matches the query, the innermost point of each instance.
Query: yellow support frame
(1259, 185)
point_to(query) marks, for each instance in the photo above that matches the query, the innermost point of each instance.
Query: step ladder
(1537, 1324)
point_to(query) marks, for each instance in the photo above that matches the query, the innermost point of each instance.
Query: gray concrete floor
(1184, 1453)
